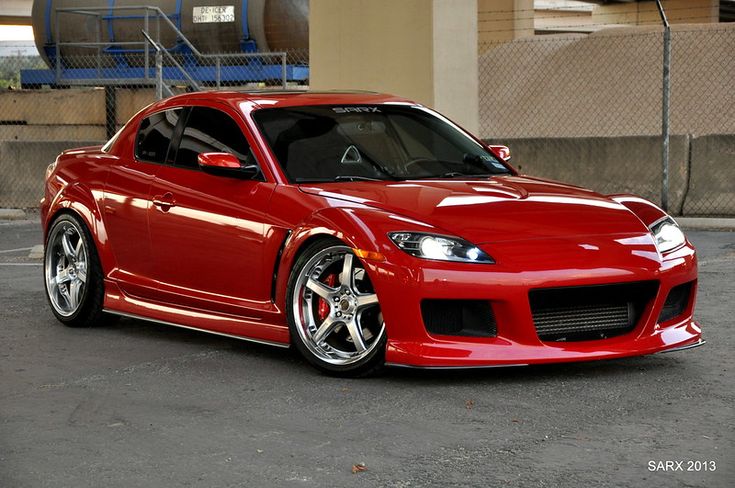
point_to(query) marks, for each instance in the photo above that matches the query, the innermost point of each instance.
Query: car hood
(502, 208)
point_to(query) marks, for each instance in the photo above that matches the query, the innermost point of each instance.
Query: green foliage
(10, 67)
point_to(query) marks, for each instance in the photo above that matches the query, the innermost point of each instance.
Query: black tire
(89, 312)
(372, 364)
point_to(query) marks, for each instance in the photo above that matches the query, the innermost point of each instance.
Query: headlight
(442, 248)
(667, 234)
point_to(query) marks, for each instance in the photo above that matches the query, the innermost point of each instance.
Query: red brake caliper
(323, 304)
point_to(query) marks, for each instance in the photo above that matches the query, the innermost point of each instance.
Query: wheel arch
(78, 201)
(337, 224)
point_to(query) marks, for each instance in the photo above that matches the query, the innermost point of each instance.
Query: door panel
(208, 232)
(127, 204)
(208, 240)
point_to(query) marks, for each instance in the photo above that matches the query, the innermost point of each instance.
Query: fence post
(666, 95)
(58, 50)
(159, 75)
(146, 62)
(284, 71)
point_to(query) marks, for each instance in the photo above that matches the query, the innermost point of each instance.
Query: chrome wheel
(335, 308)
(66, 265)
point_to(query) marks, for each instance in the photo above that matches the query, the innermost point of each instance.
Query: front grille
(676, 302)
(471, 318)
(590, 312)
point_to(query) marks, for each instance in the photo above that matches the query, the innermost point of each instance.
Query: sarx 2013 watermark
(681, 465)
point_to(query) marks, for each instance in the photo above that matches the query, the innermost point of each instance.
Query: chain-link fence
(82, 93)
(171, 72)
(587, 109)
(584, 109)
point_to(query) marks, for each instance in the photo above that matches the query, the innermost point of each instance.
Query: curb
(12, 214)
(702, 223)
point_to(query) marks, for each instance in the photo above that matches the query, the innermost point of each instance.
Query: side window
(154, 135)
(210, 130)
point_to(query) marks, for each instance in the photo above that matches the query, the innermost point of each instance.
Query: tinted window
(154, 135)
(333, 143)
(209, 130)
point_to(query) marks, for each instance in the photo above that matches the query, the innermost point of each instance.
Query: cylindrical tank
(274, 25)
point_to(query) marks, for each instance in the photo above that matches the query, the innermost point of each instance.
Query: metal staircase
(148, 62)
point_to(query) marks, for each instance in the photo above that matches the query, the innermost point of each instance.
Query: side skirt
(237, 327)
(242, 338)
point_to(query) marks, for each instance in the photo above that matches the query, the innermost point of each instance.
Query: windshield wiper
(453, 174)
(355, 178)
(379, 167)
(479, 162)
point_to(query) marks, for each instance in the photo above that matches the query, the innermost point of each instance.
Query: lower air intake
(590, 312)
(676, 303)
(471, 318)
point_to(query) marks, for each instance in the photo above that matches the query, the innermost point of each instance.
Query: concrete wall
(607, 165)
(712, 181)
(701, 172)
(424, 50)
(677, 11)
(64, 115)
(702, 169)
(608, 84)
(602, 16)
(23, 166)
(503, 20)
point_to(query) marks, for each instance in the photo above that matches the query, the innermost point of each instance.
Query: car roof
(282, 98)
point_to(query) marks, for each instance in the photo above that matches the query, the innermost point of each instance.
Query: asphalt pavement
(136, 404)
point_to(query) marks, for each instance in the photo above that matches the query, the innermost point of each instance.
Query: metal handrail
(159, 14)
(162, 15)
(161, 51)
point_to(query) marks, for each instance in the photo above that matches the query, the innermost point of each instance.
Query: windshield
(371, 142)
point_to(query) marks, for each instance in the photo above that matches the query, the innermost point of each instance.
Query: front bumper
(403, 282)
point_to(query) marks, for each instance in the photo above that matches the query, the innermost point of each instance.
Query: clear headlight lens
(442, 248)
(667, 234)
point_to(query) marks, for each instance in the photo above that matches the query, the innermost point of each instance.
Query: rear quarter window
(154, 135)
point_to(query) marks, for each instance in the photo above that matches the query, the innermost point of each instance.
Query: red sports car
(363, 229)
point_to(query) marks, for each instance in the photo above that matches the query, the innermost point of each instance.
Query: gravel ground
(139, 404)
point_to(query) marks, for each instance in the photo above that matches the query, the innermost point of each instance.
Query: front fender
(358, 227)
(646, 211)
(82, 201)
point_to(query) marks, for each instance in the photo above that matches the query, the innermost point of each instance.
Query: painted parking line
(36, 252)
(5, 251)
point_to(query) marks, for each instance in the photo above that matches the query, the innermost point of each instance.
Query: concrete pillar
(424, 50)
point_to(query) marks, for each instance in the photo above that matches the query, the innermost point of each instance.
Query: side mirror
(503, 152)
(225, 164)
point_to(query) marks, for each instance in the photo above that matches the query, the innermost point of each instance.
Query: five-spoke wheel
(66, 268)
(334, 312)
(72, 273)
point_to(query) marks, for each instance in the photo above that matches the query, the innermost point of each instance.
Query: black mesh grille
(591, 312)
(676, 302)
(473, 318)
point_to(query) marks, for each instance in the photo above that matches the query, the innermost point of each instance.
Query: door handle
(165, 201)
